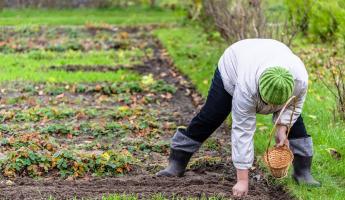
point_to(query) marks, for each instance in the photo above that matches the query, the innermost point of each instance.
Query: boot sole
(306, 183)
(167, 174)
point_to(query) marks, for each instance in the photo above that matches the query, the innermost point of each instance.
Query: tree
(2, 4)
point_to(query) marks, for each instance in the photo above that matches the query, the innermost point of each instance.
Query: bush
(299, 10)
(323, 20)
(334, 79)
(242, 19)
(323, 23)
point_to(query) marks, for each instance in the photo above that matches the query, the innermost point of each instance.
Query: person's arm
(243, 128)
(284, 121)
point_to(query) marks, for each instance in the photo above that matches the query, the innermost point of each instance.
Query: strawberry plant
(161, 86)
(25, 161)
(69, 164)
(5, 129)
(113, 163)
(80, 88)
(28, 154)
(57, 129)
(54, 91)
(34, 141)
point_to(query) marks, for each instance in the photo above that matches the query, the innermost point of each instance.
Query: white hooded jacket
(240, 67)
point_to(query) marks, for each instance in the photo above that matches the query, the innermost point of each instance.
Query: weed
(212, 144)
(204, 162)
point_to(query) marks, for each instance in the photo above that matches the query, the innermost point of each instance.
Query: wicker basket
(279, 159)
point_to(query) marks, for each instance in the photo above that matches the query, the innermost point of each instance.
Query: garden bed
(89, 138)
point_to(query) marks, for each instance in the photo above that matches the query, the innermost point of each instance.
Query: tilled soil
(193, 184)
(208, 178)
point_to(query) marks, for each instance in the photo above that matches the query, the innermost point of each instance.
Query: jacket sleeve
(301, 95)
(243, 128)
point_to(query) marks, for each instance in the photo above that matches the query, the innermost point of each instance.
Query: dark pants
(217, 108)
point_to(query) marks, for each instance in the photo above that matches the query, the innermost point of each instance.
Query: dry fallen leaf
(334, 153)
(60, 96)
(124, 35)
(9, 183)
(312, 116)
(81, 115)
(98, 88)
(263, 128)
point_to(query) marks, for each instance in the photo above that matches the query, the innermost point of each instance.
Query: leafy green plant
(25, 161)
(54, 91)
(161, 146)
(113, 163)
(161, 86)
(30, 88)
(84, 128)
(28, 154)
(212, 144)
(121, 112)
(323, 20)
(69, 164)
(299, 10)
(80, 88)
(5, 129)
(204, 162)
(57, 129)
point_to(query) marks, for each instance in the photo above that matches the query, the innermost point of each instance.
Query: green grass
(129, 16)
(193, 53)
(33, 66)
(68, 77)
(195, 56)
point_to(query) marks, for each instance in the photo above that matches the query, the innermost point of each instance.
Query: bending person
(253, 76)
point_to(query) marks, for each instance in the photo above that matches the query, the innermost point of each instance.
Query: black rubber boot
(302, 172)
(178, 161)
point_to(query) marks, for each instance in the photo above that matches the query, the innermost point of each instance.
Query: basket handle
(276, 123)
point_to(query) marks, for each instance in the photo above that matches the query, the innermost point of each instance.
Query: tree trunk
(152, 3)
(2, 4)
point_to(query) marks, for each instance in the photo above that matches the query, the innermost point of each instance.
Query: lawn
(129, 16)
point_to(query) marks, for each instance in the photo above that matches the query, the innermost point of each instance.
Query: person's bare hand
(240, 189)
(281, 138)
